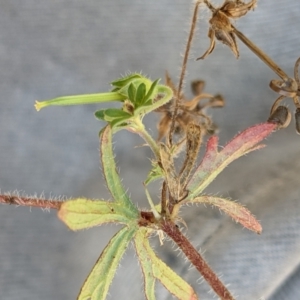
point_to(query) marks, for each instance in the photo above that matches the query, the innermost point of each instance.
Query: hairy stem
(183, 71)
(30, 201)
(196, 259)
(139, 128)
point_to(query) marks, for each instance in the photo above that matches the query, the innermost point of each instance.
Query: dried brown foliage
(190, 111)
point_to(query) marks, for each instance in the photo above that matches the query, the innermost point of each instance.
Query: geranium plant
(181, 130)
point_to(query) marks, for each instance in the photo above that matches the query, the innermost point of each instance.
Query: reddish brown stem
(30, 201)
(183, 70)
(164, 198)
(196, 259)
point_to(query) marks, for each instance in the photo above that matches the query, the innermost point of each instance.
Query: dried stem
(29, 201)
(209, 5)
(164, 199)
(263, 56)
(196, 259)
(183, 71)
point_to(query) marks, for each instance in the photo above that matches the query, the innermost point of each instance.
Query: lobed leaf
(235, 210)
(215, 161)
(154, 268)
(142, 93)
(83, 213)
(97, 284)
(111, 175)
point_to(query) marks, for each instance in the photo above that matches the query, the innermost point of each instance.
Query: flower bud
(297, 120)
(281, 116)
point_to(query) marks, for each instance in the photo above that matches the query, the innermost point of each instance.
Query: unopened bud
(197, 87)
(281, 116)
(217, 101)
(297, 120)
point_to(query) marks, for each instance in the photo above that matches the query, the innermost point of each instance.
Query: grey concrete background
(52, 48)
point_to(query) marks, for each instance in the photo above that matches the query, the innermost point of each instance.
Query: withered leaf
(193, 142)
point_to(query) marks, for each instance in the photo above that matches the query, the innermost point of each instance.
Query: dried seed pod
(197, 87)
(297, 120)
(193, 142)
(211, 35)
(217, 101)
(237, 9)
(223, 31)
(281, 116)
(286, 88)
(169, 170)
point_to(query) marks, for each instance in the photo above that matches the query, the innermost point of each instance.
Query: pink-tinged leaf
(215, 161)
(235, 210)
(153, 268)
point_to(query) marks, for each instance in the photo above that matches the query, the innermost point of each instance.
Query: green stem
(139, 128)
(168, 95)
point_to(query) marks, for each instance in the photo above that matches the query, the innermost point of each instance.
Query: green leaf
(119, 122)
(113, 116)
(140, 94)
(152, 93)
(214, 161)
(97, 284)
(100, 114)
(114, 113)
(128, 92)
(154, 268)
(147, 103)
(81, 99)
(84, 213)
(111, 175)
(131, 92)
(235, 210)
(121, 82)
